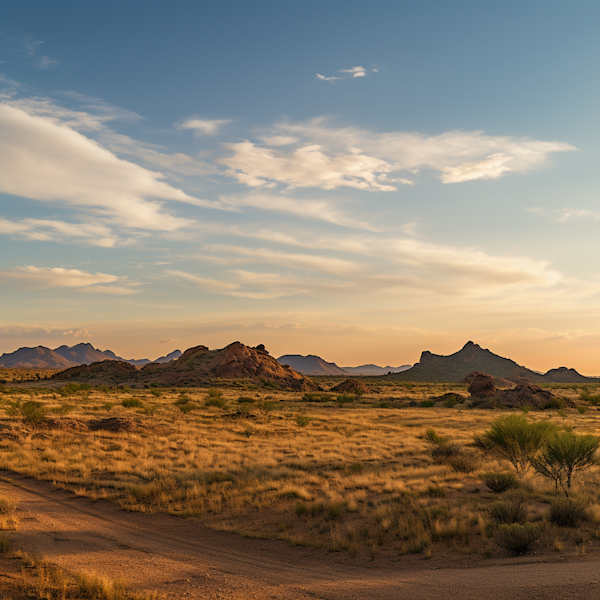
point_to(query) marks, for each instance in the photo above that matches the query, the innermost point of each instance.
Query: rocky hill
(472, 357)
(197, 366)
(310, 365)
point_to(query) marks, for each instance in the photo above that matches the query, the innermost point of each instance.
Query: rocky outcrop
(352, 386)
(197, 366)
(498, 382)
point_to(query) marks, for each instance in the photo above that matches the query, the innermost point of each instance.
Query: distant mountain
(35, 358)
(84, 354)
(374, 370)
(472, 357)
(311, 365)
(64, 357)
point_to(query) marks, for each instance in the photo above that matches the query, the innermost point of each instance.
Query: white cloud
(205, 282)
(204, 126)
(54, 277)
(352, 73)
(307, 166)
(320, 210)
(74, 170)
(167, 341)
(355, 71)
(455, 155)
(77, 333)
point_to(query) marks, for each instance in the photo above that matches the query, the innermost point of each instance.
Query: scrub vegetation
(385, 473)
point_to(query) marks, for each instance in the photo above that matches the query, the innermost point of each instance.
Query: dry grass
(353, 477)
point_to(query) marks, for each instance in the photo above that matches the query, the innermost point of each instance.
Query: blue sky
(357, 180)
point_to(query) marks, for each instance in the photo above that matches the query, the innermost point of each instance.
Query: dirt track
(183, 559)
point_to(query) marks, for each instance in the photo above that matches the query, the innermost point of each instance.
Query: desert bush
(465, 461)
(511, 511)
(432, 437)
(518, 538)
(317, 397)
(215, 398)
(515, 439)
(567, 512)
(450, 402)
(302, 420)
(5, 544)
(444, 453)
(345, 399)
(246, 400)
(183, 399)
(33, 411)
(582, 410)
(557, 403)
(565, 454)
(334, 511)
(426, 403)
(132, 403)
(499, 482)
(593, 400)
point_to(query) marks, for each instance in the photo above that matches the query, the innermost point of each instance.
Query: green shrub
(443, 453)
(565, 454)
(334, 511)
(499, 482)
(426, 403)
(557, 403)
(216, 400)
(317, 397)
(450, 401)
(517, 538)
(33, 411)
(515, 439)
(246, 400)
(593, 400)
(582, 410)
(302, 420)
(432, 437)
(567, 512)
(183, 399)
(301, 509)
(345, 399)
(132, 403)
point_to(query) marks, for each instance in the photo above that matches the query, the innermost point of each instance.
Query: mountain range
(65, 357)
(472, 357)
(315, 365)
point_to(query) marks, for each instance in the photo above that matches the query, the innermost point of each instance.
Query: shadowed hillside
(472, 357)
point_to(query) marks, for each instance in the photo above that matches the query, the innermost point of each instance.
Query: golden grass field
(352, 476)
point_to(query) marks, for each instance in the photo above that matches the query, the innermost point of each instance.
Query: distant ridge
(311, 365)
(374, 370)
(472, 357)
(64, 357)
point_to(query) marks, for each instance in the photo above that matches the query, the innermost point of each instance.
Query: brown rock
(499, 382)
(353, 386)
(482, 385)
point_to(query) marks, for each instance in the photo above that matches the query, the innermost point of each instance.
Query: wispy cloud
(564, 215)
(203, 126)
(319, 210)
(45, 62)
(351, 73)
(73, 170)
(54, 277)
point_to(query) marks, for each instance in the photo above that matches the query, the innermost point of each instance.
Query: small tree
(565, 454)
(515, 439)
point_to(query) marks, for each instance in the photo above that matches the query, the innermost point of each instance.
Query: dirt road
(181, 558)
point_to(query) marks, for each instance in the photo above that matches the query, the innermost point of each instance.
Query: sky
(358, 180)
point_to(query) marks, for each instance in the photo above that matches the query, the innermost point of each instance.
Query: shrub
(301, 509)
(345, 399)
(510, 512)
(132, 403)
(215, 398)
(567, 512)
(302, 420)
(444, 453)
(316, 397)
(334, 511)
(565, 454)
(593, 400)
(426, 403)
(245, 400)
(465, 461)
(582, 410)
(517, 538)
(557, 403)
(450, 402)
(514, 439)
(499, 482)
(432, 437)
(33, 411)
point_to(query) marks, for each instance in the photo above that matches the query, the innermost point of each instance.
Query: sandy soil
(180, 558)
